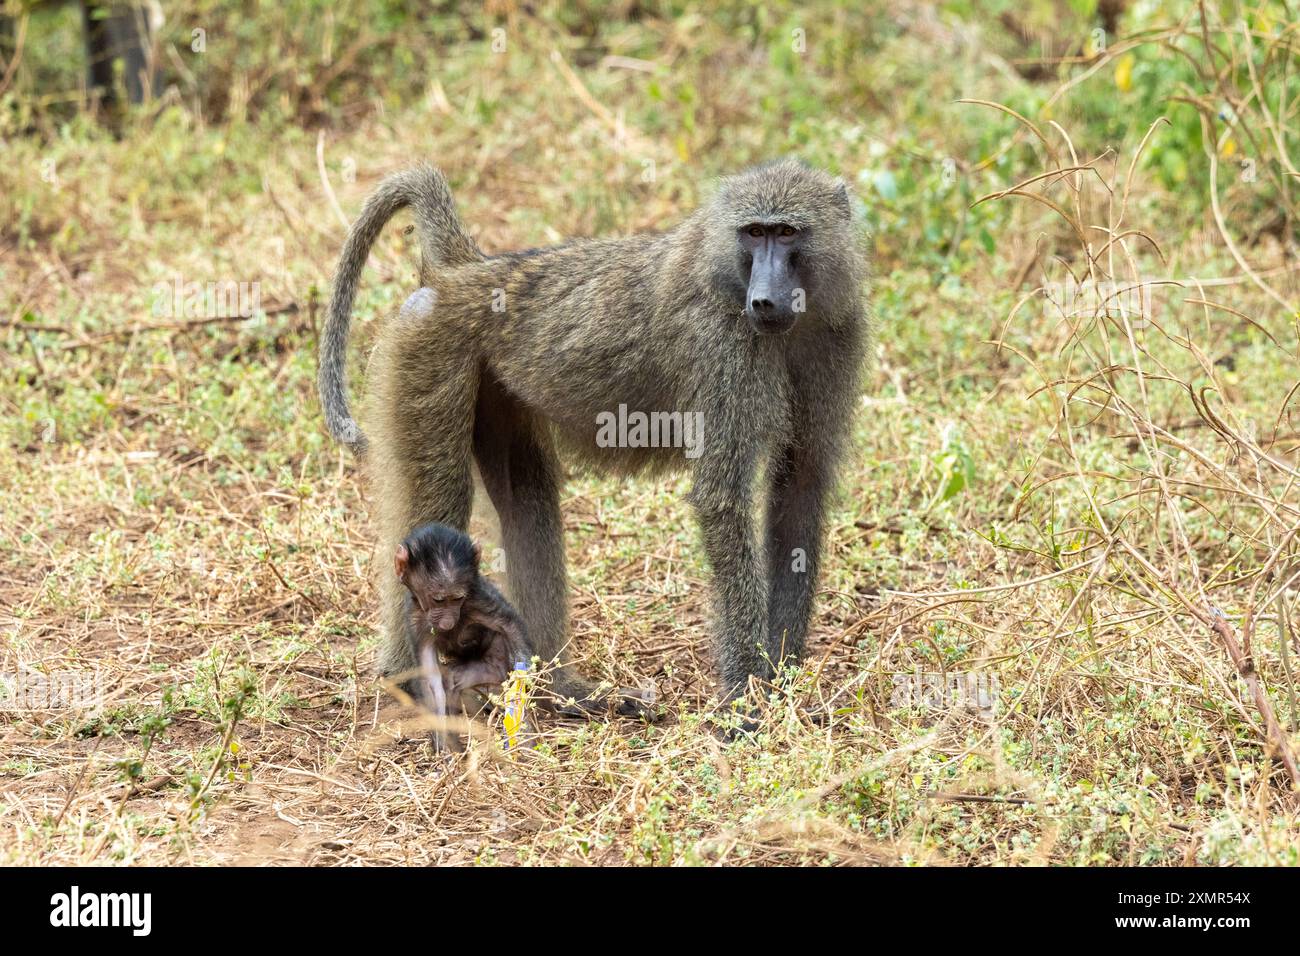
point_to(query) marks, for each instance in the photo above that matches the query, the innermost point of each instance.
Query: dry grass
(1098, 509)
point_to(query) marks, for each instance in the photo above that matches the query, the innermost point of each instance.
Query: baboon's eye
(788, 230)
(756, 232)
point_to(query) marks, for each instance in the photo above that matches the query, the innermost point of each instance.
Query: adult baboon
(748, 316)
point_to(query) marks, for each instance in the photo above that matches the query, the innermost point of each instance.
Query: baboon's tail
(443, 241)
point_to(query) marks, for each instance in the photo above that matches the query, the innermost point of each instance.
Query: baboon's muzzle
(769, 303)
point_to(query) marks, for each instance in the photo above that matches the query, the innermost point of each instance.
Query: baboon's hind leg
(420, 460)
(520, 471)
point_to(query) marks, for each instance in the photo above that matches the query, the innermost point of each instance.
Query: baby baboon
(747, 319)
(463, 634)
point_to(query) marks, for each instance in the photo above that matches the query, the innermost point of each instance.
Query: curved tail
(443, 241)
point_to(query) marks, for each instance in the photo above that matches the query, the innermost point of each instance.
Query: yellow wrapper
(516, 705)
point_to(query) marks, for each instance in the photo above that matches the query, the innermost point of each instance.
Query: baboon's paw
(620, 701)
(634, 702)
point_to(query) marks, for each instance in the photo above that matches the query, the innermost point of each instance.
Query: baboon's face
(775, 296)
(440, 599)
(438, 591)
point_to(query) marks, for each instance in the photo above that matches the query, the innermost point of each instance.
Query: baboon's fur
(651, 321)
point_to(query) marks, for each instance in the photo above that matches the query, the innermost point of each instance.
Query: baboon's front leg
(722, 504)
(802, 474)
(795, 529)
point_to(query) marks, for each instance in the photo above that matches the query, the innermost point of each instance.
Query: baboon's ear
(842, 198)
(478, 553)
(401, 560)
